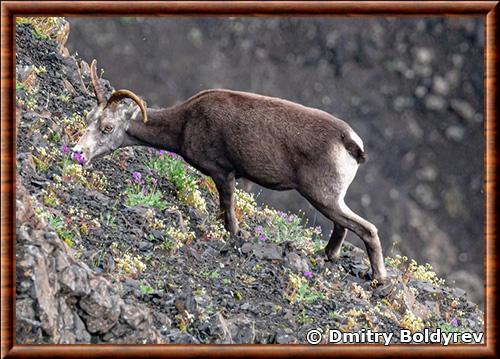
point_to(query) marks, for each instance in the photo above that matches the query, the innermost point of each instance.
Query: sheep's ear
(133, 113)
(119, 95)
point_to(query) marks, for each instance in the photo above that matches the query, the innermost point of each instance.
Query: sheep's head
(108, 122)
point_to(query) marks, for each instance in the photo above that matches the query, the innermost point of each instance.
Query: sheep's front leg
(225, 186)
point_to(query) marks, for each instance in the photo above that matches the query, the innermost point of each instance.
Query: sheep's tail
(354, 149)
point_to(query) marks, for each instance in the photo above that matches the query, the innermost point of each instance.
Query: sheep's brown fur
(276, 143)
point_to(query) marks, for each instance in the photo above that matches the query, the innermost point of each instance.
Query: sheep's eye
(107, 129)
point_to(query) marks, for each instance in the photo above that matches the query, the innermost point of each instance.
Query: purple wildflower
(160, 152)
(290, 218)
(174, 156)
(65, 149)
(308, 274)
(262, 237)
(454, 322)
(259, 230)
(79, 158)
(137, 177)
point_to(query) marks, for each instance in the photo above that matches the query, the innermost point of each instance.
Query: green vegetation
(50, 197)
(62, 232)
(298, 289)
(279, 227)
(449, 328)
(173, 169)
(128, 265)
(179, 237)
(168, 244)
(302, 318)
(411, 322)
(145, 289)
(64, 97)
(73, 126)
(137, 196)
(58, 224)
(411, 268)
(20, 86)
(44, 28)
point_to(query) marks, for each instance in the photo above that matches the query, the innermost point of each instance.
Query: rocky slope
(131, 251)
(412, 88)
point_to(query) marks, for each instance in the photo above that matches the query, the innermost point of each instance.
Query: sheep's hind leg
(343, 215)
(334, 208)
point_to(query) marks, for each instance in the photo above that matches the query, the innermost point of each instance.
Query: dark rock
(296, 262)
(133, 316)
(430, 290)
(102, 199)
(410, 303)
(354, 279)
(385, 290)
(286, 339)
(247, 248)
(164, 321)
(101, 310)
(132, 283)
(245, 306)
(157, 234)
(74, 279)
(235, 330)
(433, 308)
(359, 270)
(72, 303)
(144, 245)
(178, 337)
(267, 251)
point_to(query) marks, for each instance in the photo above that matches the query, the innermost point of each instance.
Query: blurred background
(411, 88)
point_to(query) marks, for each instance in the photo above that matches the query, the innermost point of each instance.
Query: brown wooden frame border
(487, 9)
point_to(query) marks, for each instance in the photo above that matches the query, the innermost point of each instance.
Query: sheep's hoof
(238, 236)
(376, 280)
(332, 255)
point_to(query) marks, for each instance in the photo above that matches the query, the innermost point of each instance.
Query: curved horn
(121, 94)
(98, 89)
